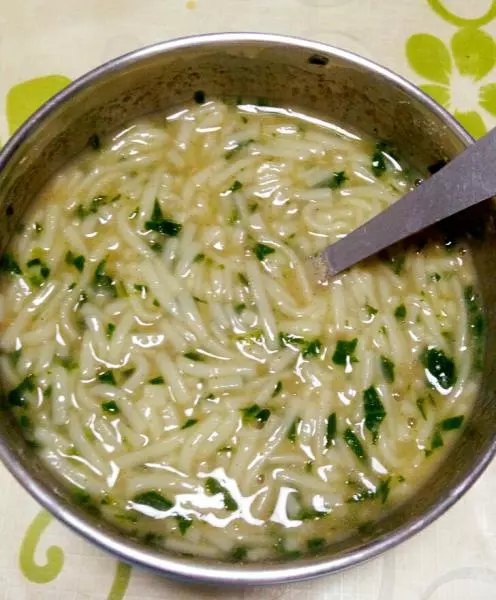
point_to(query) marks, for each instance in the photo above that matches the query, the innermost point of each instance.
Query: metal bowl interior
(317, 79)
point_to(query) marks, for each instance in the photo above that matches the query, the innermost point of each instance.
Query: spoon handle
(467, 180)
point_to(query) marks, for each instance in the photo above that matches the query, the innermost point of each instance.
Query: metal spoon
(467, 180)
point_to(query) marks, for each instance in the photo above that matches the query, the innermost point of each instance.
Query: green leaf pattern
(471, 54)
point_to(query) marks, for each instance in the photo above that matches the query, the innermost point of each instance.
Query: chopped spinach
(76, 261)
(39, 271)
(452, 423)
(243, 280)
(109, 332)
(192, 355)
(9, 265)
(311, 348)
(387, 367)
(110, 407)
(374, 411)
(400, 312)
(331, 430)
(439, 369)
(102, 282)
(371, 311)
(107, 377)
(335, 181)
(293, 430)
(184, 524)
(378, 163)
(153, 499)
(214, 487)
(239, 553)
(421, 407)
(161, 225)
(261, 251)
(394, 260)
(354, 444)
(18, 396)
(344, 354)
(316, 544)
(255, 414)
(236, 186)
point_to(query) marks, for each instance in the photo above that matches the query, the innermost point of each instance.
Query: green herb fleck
(331, 430)
(199, 258)
(184, 524)
(76, 261)
(277, 389)
(9, 265)
(421, 407)
(66, 362)
(243, 280)
(110, 330)
(316, 544)
(439, 369)
(107, 377)
(354, 444)
(102, 282)
(293, 430)
(254, 414)
(387, 367)
(157, 381)
(18, 396)
(344, 355)
(371, 311)
(153, 499)
(235, 187)
(378, 163)
(213, 487)
(335, 181)
(159, 224)
(239, 308)
(110, 407)
(312, 348)
(239, 553)
(374, 411)
(192, 355)
(452, 423)
(189, 423)
(261, 251)
(400, 312)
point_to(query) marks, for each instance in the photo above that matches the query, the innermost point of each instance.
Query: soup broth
(173, 355)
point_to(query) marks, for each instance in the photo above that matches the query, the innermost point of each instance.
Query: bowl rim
(219, 572)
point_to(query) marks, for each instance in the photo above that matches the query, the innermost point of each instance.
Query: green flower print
(474, 54)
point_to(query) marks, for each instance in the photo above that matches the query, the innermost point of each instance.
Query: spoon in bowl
(468, 179)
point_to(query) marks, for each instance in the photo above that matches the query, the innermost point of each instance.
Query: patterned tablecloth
(447, 47)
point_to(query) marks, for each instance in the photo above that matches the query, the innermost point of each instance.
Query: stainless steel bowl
(315, 78)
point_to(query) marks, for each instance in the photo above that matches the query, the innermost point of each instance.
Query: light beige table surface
(46, 43)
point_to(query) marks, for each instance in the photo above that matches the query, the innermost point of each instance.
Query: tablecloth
(447, 47)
